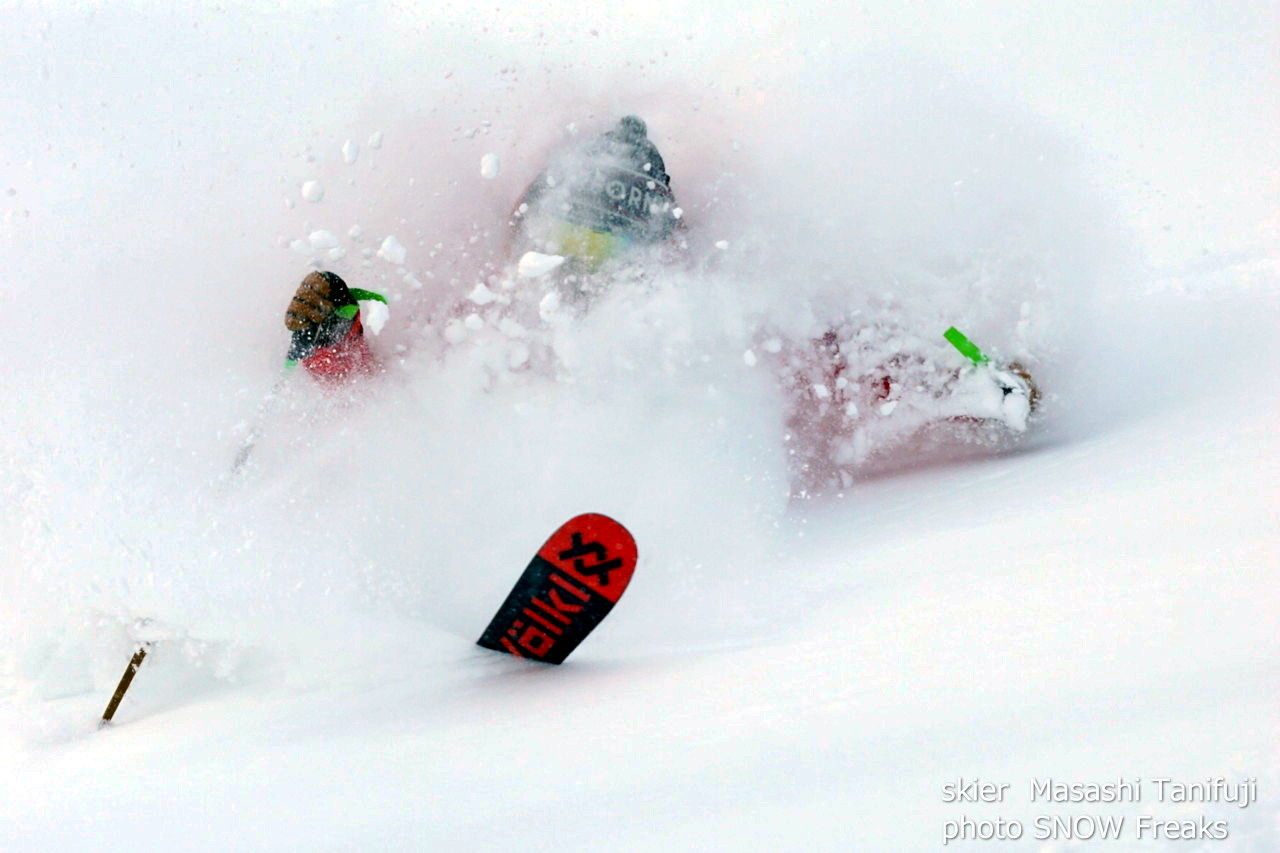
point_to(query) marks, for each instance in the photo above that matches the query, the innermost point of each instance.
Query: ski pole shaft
(125, 681)
(264, 409)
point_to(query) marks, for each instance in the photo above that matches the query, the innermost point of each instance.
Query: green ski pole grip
(361, 295)
(967, 348)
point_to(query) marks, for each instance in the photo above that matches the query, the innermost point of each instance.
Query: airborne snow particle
(374, 316)
(392, 250)
(375, 139)
(473, 322)
(536, 264)
(749, 358)
(773, 345)
(313, 191)
(677, 212)
(722, 244)
(323, 240)
(350, 151)
(454, 333)
(490, 166)
(355, 232)
(549, 305)
(481, 295)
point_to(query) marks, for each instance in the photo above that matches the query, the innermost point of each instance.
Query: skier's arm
(327, 336)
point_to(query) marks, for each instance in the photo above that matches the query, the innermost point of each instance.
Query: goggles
(590, 246)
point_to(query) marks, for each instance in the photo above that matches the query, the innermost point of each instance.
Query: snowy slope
(1097, 609)
(1068, 186)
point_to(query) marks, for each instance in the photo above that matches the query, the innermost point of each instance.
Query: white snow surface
(1090, 189)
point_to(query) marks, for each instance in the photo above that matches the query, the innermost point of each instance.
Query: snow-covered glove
(1020, 394)
(1004, 394)
(1032, 390)
(320, 314)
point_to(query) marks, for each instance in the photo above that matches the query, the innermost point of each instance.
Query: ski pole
(296, 351)
(260, 417)
(125, 681)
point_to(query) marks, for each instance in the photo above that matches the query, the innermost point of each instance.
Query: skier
(328, 338)
(592, 202)
(612, 194)
(597, 200)
(840, 394)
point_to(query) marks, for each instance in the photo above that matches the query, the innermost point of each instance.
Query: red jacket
(348, 359)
